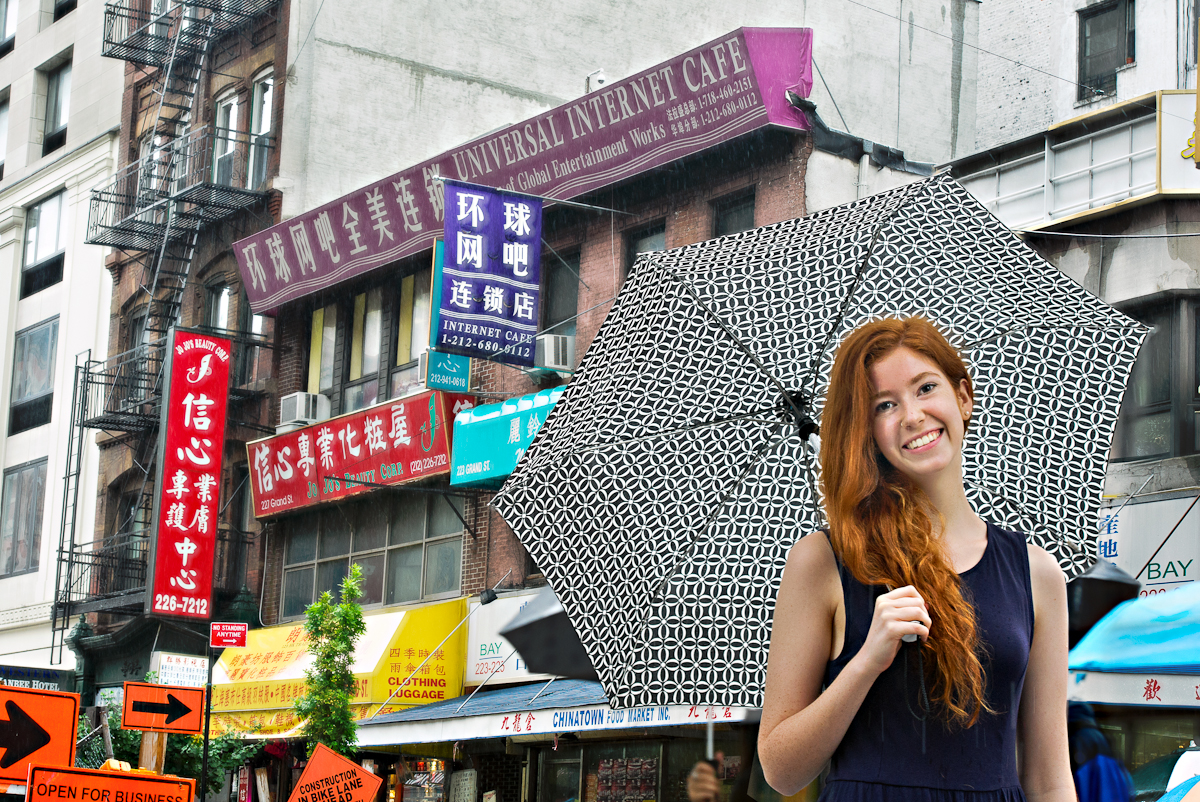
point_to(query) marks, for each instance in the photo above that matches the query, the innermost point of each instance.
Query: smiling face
(919, 416)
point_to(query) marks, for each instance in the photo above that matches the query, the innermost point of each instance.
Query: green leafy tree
(332, 630)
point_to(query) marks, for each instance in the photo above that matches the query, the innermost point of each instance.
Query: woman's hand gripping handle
(900, 616)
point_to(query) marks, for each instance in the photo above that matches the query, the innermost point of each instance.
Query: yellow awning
(255, 687)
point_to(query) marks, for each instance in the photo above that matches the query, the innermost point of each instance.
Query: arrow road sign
(173, 708)
(163, 708)
(37, 726)
(20, 736)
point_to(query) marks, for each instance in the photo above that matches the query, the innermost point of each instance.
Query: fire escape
(153, 211)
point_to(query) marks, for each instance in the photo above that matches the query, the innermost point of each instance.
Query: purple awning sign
(490, 276)
(709, 95)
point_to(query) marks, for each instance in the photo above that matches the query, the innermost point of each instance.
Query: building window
(63, 8)
(320, 349)
(3, 135)
(409, 547)
(733, 215)
(1106, 43)
(58, 108)
(644, 240)
(8, 26)
(365, 343)
(560, 294)
(225, 140)
(33, 377)
(217, 299)
(21, 511)
(412, 331)
(1160, 415)
(45, 244)
(261, 100)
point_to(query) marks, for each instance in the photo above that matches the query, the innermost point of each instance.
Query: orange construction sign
(329, 777)
(163, 708)
(36, 726)
(57, 783)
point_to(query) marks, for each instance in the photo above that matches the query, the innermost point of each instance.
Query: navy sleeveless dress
(888, 754)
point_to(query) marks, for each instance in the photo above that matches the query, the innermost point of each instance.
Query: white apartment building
(60, 104)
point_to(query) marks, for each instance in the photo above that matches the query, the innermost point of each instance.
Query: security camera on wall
(595, 80)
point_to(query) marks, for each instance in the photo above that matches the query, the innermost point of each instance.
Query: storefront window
(412, 331)
(1160, 414)
(32, 399)
(320, 350)
(645, 240)
(560, 295)
(409, 547)
(365, 343)
(733, 215)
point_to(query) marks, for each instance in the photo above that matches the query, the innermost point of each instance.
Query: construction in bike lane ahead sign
(329, 777)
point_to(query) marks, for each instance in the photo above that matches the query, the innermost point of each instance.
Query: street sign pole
(207, 721)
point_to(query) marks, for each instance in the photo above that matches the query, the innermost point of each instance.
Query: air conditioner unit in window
(554, 353)
(302, 409)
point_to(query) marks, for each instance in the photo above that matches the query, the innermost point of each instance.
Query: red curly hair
(880, 522)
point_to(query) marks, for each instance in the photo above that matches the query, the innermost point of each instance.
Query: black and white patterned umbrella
(663, 493)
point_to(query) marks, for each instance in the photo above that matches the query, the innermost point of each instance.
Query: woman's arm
(1045, 764)
(801, 726)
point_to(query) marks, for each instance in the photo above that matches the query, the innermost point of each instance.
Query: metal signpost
(221, 636)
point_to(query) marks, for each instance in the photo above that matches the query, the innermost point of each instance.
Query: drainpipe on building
(864, 164)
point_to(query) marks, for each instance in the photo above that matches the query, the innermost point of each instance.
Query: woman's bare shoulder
(811, 566)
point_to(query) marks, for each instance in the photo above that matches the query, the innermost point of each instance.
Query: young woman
(978, 703)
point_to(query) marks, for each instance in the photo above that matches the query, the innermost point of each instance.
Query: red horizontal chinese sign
(189, 477)
(387, 444)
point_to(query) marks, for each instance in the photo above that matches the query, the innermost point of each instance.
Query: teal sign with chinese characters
(490, 439)
(450, 372)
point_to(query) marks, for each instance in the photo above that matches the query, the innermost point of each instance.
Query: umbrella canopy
(546, 639)
(665, 489)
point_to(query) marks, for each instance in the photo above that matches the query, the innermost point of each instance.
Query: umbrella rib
(800, 414)
(858, 277)
(1073, 542)
(768, 443)
(1028, 326)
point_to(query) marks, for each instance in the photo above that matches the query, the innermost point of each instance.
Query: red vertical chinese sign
(189, 479)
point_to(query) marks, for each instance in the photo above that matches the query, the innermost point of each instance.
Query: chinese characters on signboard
(387, 444)
(490, 273)
(711, 94)
(190, 475)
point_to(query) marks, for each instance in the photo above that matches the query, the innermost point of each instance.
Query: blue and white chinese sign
(490, 274)
(490, 439)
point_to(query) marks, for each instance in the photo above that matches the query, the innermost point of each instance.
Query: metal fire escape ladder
(153, 209)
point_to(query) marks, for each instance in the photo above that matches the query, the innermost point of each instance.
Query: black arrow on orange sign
(20, 736)
(174, 708)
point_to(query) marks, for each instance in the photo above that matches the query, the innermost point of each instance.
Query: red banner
(189, 479)
(387, 444)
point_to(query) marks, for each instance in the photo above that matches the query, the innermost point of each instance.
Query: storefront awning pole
(434, 650)
(543, 690)
(485, 679)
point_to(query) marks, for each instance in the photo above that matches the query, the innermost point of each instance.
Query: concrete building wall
(373, 91)
(1028, 78)
(78, 302)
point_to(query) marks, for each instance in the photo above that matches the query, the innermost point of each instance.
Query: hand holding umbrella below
(702, 782)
